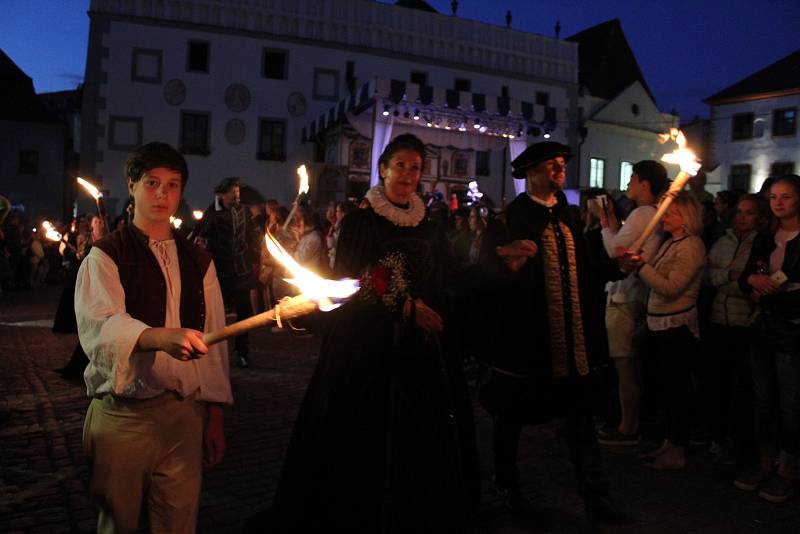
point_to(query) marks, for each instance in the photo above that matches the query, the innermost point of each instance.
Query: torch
(51, 234)
(316, 292)
(97, 195)
(301, 191)
(689, 167)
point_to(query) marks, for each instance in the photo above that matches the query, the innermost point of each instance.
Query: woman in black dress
(384, 440)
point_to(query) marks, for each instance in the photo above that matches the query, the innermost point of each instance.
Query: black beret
(537, 153)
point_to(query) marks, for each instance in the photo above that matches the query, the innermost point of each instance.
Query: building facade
(618, 116)
(233, 83)
(754, 126)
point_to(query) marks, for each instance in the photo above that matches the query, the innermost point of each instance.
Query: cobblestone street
(43, 472)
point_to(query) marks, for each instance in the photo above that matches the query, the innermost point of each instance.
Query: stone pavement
(43, 472)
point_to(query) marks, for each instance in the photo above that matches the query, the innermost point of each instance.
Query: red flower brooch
(386, 281)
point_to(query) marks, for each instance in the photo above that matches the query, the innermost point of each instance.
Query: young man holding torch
(142, 299)
(625, 306)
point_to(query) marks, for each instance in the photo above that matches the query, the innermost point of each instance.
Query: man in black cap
(544, 288)
(228, 232)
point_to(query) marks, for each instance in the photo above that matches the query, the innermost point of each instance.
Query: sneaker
(616, 438)
(776, 490)
(750, 481)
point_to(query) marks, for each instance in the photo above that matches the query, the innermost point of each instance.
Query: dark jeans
(732, 383)
(584, 452)
(238, 297)
(777, 391)
(675, 351)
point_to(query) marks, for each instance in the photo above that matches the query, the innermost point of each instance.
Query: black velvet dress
(384, 440)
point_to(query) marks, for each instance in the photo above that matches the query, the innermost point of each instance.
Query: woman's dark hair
(402, 142)
(152, 155)
(729, 197)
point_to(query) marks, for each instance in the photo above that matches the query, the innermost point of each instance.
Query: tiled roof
(607, 65)
(781, 76)
(18, 101)
(416, 4)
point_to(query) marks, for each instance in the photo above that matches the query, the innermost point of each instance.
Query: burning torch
(315, 292)
(689, 165)
(301, 192)
(97, 195)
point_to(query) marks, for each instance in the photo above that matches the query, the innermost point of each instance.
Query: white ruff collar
(398, 216)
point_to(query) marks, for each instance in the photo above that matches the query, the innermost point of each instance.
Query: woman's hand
(180, 343)
(516, 253)
(629, 261)
(762, 284)
(426, 318)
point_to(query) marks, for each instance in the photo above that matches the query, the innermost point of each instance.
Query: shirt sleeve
(107, 333)
(627, 233)
(215, 383)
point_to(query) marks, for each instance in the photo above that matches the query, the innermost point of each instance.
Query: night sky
(686, 49)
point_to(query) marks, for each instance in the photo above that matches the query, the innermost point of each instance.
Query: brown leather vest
(143, 281)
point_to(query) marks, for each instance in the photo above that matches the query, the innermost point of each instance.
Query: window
(625, 171)
(597, 169)
(779, 168)
(124, 133)
(784, 121)
(272, 139)
(742, 126)
(739, 179)
(146, 65)
(326, 84)
(542, 98)
(197, 60)
(350, 76)
(463, 84)
(483, 162)
(28, 162)
(419, 77)
(195, 133)
(504, 91)
(460, 164)
(275, 64)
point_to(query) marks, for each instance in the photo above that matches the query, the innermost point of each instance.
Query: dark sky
(686, 49)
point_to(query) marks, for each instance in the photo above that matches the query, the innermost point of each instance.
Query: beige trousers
(145, 460)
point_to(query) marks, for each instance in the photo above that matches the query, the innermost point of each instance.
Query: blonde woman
(674, 278)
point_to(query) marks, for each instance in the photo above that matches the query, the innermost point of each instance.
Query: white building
(619, 119)
(234, 83)
(754, 125)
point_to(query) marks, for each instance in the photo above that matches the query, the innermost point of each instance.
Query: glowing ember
(312, 286)
(197, 214)
(92, 190)
(301, 172)
(683, 156)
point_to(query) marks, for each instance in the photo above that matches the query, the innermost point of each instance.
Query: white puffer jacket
(731, 307)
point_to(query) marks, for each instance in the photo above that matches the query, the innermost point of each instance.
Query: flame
(314, 287)
(197, 214)
(50, 232)
(176, 222)
(301, 172)
(683, 156)
(96, 194)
